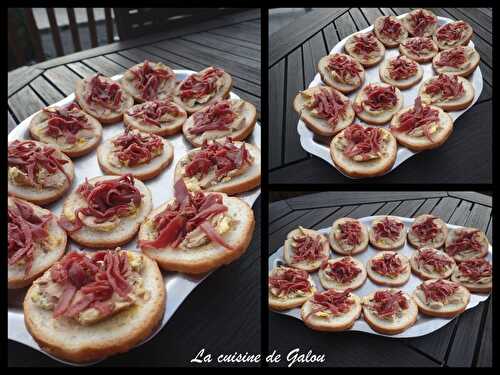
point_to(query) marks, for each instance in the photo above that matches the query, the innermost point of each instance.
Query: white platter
(424, 324)
(372, 75)
(178, 286)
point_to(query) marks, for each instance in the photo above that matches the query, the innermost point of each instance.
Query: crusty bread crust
(328, 80)
(384, 280)
(335, 245)
(418, 58)
(443, 312)
(117, 334)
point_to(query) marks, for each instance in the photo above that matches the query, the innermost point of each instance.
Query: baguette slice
(379, 279)
(386, 243)
(306, 265)
(390, 327)
(144, 171)
(463, 40)
(472, 59)
(449, 310)
(421, 56)
(209, 256)
(240, 183)
(286, 302)
(332, 323)
(102, 114)
(247, 116)
(410, 25)
(372, 117)
(460, 256)
(474, 285)
(44, 255)
(317, 125)
(402, 84)
(435, 241)
(366, 60)
(87, 139)
(389, 41)
(449, 104)
(332, 78)
(427, 274)
(71, 341)
(330, 283)
(336, 246)
(45, 195)
(122, 234)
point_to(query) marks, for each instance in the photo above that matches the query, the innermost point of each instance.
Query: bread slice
(436, 242)
(426, 274)
(379, 279)
(421, 57)
(472, 286)
(329, 79)
(103, 115)
(463, 41)
(319, 125)
(423, 143)
(71, 341)
(447, 105)
(45, 195)
(447, 311)
(165, 88)
(402, 84)
(44, 255)
(366, 61)
(246, 112)
(122, 234)
(306, 265)
(383, 244)
(472, 61)
(330, 283)
(429, 29)
(170, 126)
(90, 138)
(388, 41)
(245, 181)
(388, 327)
(362, 246)
(379, 118)
(332, 323)
(287, 303)
(144, 171)
(210, 256)
(452, 234)
(221, 93)
(369, 168)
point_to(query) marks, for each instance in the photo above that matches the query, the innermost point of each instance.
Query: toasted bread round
(317, 125)
(463, 40)
(46, 253)
(71, 341)
(379, 279)
(247, 114)
(366, 60)
(463, 70)
(481, 285)
(421, 142)
(331, 323)
(353, 250)
(211, 255)
(165, 87)
(44, 195)
(127, 226)
(371, 117)
(368, 168)
(427, 31)
(286, 303)
(430, 272)
(385, 243)
(329, 282)
(306, 265)
(222, 92)
(435, 241)
(446, 311)
(102, 114)
(421, 57)
(248, 180)
(386, 326)
(144, 171)
(333, 79)
(449, 104)
(389, 41)
(168, 124)
(402, 84)
(87, 139)
(460, 256)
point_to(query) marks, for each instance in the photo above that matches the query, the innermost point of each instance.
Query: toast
(365, 48)
(392, 233)
(341, 72)
(298, 242)
(389, 30)
(419, 49)
(390, 69)
(461, 61)
(453, 34)
(430, 263)
(438, 91)
(466, 243)
(474, 274)
(342, 274)
(451, 306)
(348, 236)
(297, 295)
(420, 22)
(396, 268)
(427, 230)
(376, 103)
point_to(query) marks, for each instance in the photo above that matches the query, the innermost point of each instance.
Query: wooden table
(294, 52)
(222, 314)
(465, 341)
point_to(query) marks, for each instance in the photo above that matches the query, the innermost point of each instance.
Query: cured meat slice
(418, 116)
(388, 265)
(387, 228)
(66, 122)
(289, 280)
(401, 68)
(343, 271)
(438, 290)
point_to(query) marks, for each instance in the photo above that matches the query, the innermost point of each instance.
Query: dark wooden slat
(368, 209)
(109, 24)
(478, 17)
(387, 11)
(331, 37)
(485, 356)
(81, 69)
(445, 208)
(312, 50)
(489, 232)
(388, 208)
(478, 29)
(13, 27)
(427, 207)
(408, 208)
(472, 196)
(289, 37)
(371, 14)
(34, 34)
(486, 11)
(230, 39)
(358, 18)
(276, 91)
(54, 29)
(479, 217)
(283, 221)
(345, 26)
(119, 59)
(295, 82)
(104, 66)
(11, 123)
(399, 11)
(461, 214)
(223, 45)
(278, 209)
(328, 221)
(20, 77)
(73, 26)
(24, 103)
(92, 27)
(486, 94)
(238, 32)
(46, 91)
(63, 78)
